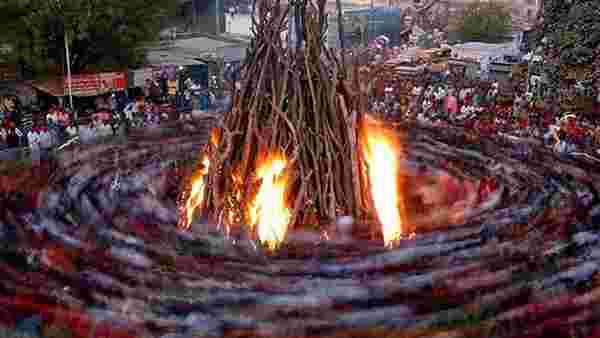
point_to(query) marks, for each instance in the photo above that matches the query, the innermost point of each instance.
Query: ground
(522, 267)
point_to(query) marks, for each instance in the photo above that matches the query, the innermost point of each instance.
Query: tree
(573, 28)
(484, 21)
(102, 33)
(570, 35)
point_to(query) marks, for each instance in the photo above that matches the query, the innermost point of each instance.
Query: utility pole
(340, 24)
(219, 11)
(253, 15)
(292, 25)
(68, 63)
(69, 84)
(340, 18)
(370, 22)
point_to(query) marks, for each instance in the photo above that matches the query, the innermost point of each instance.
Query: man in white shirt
(130, 109)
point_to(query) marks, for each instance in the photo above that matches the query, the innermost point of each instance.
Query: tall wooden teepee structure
(294, 101)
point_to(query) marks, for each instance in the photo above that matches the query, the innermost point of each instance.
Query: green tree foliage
(484, 21)
(573, 28)
(570, 35)
(102, 33)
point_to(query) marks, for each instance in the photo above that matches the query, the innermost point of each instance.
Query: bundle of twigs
(294, 102)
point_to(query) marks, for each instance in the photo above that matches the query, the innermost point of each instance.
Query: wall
(201, 16)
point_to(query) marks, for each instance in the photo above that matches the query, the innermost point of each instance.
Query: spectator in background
(596, 135)
(12, 139)
(156, 91)
(487, 186)
(147, 88)
(563, 146)
(100, 103)
(114, 103)
(451, 103)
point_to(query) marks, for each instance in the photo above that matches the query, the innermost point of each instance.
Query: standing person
(451, 104)
(147, 88)
(130, 110)
(114, 103)
(12, 139)
(157, 90)
(518, 105)
(492, 94)
(478, 97)
(562, 146)
(413, 105)
(547, 119)
(99, 103)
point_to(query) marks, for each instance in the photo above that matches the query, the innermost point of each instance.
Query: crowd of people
(57, 124)
(479, 111)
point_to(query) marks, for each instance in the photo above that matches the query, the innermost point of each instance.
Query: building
(369, 23)
(205, 16)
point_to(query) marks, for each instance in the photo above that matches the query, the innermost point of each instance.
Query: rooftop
(187, 51)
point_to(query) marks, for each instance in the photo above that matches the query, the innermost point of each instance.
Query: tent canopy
(162, 57)
(53, 87)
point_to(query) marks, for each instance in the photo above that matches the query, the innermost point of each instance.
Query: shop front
(86, 90)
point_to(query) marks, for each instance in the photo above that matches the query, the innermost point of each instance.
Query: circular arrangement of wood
(525, 265)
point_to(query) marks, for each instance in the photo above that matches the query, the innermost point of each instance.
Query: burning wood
(291, 111)
(196, 194)
(289, 153)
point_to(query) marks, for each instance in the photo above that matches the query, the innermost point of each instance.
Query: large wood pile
(293, 102)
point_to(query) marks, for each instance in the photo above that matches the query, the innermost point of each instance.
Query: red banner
(83, 85)
(96, 84)
(116, 81)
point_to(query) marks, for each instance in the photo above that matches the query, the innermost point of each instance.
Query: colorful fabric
(451, 104)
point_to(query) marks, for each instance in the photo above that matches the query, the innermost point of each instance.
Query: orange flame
(380, 152)
(196, 195)
(215, 137)
(268, 210)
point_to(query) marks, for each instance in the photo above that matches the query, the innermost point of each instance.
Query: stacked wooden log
(291, 105)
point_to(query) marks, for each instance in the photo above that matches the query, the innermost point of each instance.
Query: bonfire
(296, 149)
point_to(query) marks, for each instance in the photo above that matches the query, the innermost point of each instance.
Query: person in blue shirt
(204, 101)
